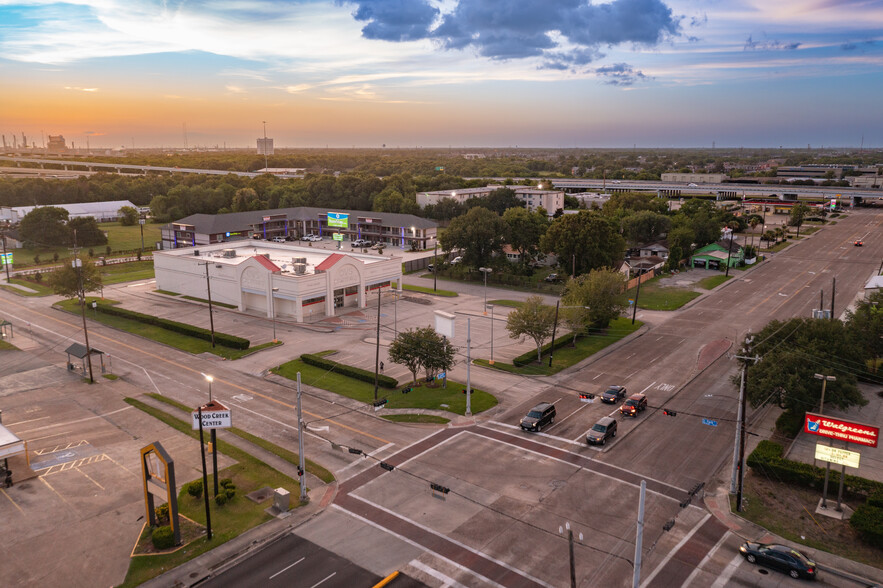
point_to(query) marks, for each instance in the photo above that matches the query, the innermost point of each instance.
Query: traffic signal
(386, 466)
(669, 412)
(300, 472)
(439, 488)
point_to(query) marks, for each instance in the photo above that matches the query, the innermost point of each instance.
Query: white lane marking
(454, 541)
(99, 416)
(631, 356)
(447, 581)
(705, 560)
(414, 544)
(286, 568)
(321, 581)
(648, 386)
(540, 434)
(358, 461)
(676, 548)
(582, 406)
(596, 377)
(23, 422)
(655, 358)
(728, 572)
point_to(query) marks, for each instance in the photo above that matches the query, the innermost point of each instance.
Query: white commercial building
(550, 200)
(100, 211)
(277, 279)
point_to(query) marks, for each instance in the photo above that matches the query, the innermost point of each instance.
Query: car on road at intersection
(858, 243)
(633, 405)
(779, 557)
(613, 394)
(538, 417)
(603, 430)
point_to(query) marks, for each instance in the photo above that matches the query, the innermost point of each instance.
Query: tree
(524, 230)
(128, 216)
(44, 226)
(85, 232)
(680, 244)
(535, 320)
(479, 234)
(645, 226)
(865, 326)
(499, 201)
(65, 281)
(753, 221)
(586, 240)
(798, 213)
(791, 353)
(422, 348)
(600, 291)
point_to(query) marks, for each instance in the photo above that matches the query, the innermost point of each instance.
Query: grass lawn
(512, 303)
(158, 334)
(656, 297)
(228, 521)
(289, 456)
(7, 345)
(416, 418)
(712, 282)
(777, 247)
(421, 396)
(39, 289)
(567, 356)
(119, 238)
(117, 273)
(447, 293)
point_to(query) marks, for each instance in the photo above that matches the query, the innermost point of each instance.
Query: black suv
(635, 404)
(613, 394)
(603, 430)
(539, 416)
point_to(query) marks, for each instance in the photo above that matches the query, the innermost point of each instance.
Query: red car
(858, 243)
(634, 404)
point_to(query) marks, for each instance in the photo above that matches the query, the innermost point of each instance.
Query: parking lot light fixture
(485, 271)
(209, 379)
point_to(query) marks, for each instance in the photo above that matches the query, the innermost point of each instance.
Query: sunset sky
(439, 73)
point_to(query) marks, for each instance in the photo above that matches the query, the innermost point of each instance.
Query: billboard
(833, 428)
(338, 219)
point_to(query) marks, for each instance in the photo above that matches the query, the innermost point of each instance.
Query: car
(278, 239)
(616, 182)
(552, 278)
(858, 243)
(613, 394)
(377, 246)
(633, 405)
(456, 260)
(779, 557)
(538, 417)
(311, 237)
(692, 185)
(361, 243)
(431, 267)
(603, 430)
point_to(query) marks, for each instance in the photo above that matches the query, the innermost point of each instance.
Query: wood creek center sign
(214, 416)
(851, 432)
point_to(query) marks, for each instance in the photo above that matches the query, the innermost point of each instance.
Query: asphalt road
(510, 490)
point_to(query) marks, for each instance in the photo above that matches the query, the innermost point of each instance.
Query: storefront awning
(10, 444)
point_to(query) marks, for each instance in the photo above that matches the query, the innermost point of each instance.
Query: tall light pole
(825, 379)
(208, 288)
(273, 311)
(569, 532)
(213, 439)
(491, 306)
(485, 271)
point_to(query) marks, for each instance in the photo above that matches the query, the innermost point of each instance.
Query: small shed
(79, 352)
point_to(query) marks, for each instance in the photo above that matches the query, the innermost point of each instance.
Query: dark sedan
(779, 557)
(613, 394)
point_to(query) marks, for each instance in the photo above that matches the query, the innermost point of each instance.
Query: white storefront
(276, 278)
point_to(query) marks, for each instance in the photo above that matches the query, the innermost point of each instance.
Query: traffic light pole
(300, 446)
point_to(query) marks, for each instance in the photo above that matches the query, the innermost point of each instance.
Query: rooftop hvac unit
(196, 252)
(300, 268)
(229, 253)
(298, 260)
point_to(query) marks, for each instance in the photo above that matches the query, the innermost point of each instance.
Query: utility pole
(435, 266)
(468, 363)
(300, 446)
(208, 513)
(5, 258)
(208, 288)
(637, 294)
(729, 252)
(554, 330)
(81, 294)
(639, 536)
(740, 467)
(833, 289)
(377, 347)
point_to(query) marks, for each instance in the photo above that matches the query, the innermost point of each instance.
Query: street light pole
(485, 271)
(213, 439)
(211, 318)
(570, 551)
(492, 333)
(273, 311)
(825, 379)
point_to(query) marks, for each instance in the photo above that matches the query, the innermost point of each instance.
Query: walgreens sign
(848, 431)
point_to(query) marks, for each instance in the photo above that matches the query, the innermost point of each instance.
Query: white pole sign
(838, 456)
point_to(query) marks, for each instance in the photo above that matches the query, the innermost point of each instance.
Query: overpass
(65, 168)
(784, 192)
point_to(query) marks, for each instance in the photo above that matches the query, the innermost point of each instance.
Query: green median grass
(510, 303)
(564, 357)
(228, 521)
(447, 293)
(38, 289)
(154, 333)
(416, 418)
(6, 345)
(289, 456)
(421, 395)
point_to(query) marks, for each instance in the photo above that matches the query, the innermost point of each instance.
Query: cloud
(235, 89)
(394, 20)
(563, 32)
(752, 45)
(620, 74)
(93, 134)
(77, 89)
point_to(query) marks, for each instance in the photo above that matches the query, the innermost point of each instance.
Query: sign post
(846, 431)
(213, 415)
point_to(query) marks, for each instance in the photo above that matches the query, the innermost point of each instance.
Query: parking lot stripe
(48, 485)
(98, 416)
(88, 477)
(23, 422)
(12, 501)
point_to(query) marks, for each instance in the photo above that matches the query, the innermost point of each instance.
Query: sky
(443, 73)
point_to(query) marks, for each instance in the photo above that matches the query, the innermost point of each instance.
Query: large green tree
(499, 201)
(524, 230)
(865, 325)
(586, 240)
(45, 226)
(422, 348)
(601, 292)
(67, 280)
(645, 226)
(533, 319)
(798, 213)
(85, 232)
(128, 216)
(478, 234)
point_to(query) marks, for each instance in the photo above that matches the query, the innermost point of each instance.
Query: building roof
(79, 351)
(213, 224)
(81, 208)
(875, 282)
(330, 261)
(267, 263)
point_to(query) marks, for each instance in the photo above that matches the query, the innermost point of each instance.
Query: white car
(692, 185)
(456, 260)
(278, 239)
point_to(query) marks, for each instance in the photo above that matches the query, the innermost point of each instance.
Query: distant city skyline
(439, 73)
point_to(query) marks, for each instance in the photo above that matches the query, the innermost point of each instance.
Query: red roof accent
(267, 263)
(332, 259)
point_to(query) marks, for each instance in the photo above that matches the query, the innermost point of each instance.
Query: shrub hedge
(876, 499)
(163, 537)
(224, 339)
(767, 459)
(194, 488)
(867, 520)
(348, 370)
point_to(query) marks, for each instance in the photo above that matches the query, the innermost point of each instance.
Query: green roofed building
(714, 255)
